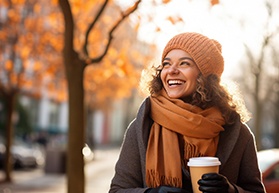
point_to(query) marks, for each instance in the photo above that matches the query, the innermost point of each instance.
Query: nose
(173, 69)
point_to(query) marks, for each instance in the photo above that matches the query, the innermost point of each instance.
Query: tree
(21, 61)
(31, 53)
(22, 119)
(78, 53)
(263, 65)
(75, 64)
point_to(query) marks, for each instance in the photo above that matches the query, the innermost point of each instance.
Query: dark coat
(236, 151)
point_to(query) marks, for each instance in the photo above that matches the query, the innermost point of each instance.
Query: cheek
(193, 76)
(162, 75)
(195, 84)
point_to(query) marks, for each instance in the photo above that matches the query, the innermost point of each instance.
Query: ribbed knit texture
(207, 53)
(172, 118)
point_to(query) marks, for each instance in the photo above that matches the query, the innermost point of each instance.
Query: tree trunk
(10, 104)
(258, 114)
(258, 106)
(74, 69)
(76, 133)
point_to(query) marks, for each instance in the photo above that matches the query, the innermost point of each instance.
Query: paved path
(98, 176)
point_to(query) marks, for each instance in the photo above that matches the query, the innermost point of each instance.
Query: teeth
(175, 82)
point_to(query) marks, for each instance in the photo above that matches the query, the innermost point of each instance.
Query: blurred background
(70, 82)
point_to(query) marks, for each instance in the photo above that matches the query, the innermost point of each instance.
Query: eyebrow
(183, 58)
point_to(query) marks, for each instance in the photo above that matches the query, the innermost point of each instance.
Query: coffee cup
(201, 165)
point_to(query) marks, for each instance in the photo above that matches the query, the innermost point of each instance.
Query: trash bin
(55, 161)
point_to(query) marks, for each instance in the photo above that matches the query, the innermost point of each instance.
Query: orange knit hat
(207, 53)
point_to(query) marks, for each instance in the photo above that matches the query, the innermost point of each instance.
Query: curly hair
(209, 92)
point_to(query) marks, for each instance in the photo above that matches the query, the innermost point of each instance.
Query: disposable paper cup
(201, 165)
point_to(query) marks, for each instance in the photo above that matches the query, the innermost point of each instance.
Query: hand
(166, 189)
(215, 183)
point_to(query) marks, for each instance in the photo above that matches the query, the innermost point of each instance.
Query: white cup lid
(204, 161)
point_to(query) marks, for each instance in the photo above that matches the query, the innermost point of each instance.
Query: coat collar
(227, 141)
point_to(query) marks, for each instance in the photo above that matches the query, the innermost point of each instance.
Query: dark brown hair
(209, 92)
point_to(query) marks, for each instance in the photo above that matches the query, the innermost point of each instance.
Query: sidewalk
(98, 176)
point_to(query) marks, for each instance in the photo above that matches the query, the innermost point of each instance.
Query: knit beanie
(207, 53)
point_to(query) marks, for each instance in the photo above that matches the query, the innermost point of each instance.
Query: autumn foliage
(30, 55)
(65, 48)
(31, 59)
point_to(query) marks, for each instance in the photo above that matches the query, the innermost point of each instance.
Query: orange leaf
(25, 51)
(166, 1)
(54, 2)
(158, 29)
(172, 20)
(21, 2)
(37, 8)
(37, 66)
(137, 26)
(214, 2)
(9, 65)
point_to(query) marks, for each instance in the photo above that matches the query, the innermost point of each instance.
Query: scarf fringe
(154, 179)
(190, 150)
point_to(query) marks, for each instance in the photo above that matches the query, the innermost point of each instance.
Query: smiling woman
(179, 74)
(188, 114)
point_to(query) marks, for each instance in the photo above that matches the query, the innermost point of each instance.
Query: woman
(188, 114)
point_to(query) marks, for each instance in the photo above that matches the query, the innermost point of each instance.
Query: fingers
(213, 183)
(212, 176)
(206, 189)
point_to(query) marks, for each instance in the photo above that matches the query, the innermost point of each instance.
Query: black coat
(236, 151)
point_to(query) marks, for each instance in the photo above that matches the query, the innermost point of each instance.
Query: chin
(186, 99)
(174, 96)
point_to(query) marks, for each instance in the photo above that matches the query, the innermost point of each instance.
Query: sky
(231, 22)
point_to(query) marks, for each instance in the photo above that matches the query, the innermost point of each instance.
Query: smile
(175, 82)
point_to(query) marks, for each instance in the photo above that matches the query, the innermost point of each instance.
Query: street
(98, 174)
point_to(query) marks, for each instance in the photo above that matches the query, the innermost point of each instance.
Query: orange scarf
(200, 129)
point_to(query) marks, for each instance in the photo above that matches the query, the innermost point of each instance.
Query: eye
(164, 64)
(185, 63)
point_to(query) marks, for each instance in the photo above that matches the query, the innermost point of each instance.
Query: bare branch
(90, 27)
(110, 34)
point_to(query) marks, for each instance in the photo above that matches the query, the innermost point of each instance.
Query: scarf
(173, 118)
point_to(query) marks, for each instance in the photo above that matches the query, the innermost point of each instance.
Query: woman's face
(179, 74)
